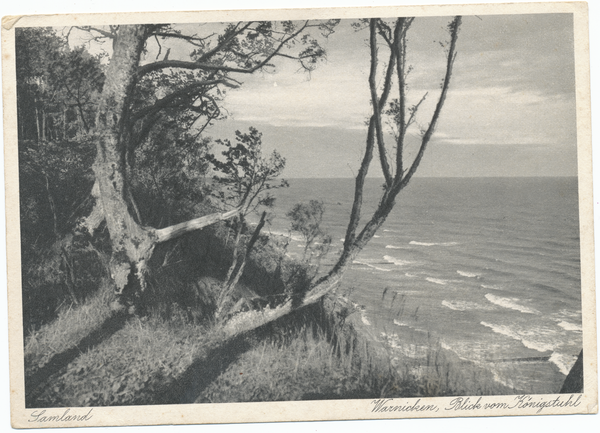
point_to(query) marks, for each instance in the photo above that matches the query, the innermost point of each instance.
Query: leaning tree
(130, 107)
(397, 171)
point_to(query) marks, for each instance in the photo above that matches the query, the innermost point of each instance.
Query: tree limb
(385, 167)
(95, 29)
(186, 92)
(155, 66)
(174, 231)
(429, 132)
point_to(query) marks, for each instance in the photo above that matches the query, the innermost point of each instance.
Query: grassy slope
(306, 356)
(91, 355)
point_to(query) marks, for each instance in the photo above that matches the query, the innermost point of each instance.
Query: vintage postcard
(299, 215)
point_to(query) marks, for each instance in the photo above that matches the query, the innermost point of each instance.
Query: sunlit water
(487, 267)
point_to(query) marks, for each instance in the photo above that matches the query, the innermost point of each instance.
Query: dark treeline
(173, 176)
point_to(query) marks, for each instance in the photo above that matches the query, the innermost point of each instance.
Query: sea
(486, 268)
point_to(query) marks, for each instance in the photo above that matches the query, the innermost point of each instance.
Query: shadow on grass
(203, 372)
(36, 383)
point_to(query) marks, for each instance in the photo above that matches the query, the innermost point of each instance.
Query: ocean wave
(432, 244)
(296, 238)
(567, 326)
(371, 266)
(510, 303)
(406, 325)
(485, 286)
(410, 275)
(396, 247)
(396, 261)
(467, 274)
(409, 350)
(540, 346)
(464, 305)
(437, 281)
(569, 314)
(563, 362)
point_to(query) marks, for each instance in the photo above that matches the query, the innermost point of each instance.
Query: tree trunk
(132, 244)
(37, 121)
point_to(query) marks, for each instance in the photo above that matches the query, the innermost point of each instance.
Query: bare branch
(400, 48)
(376, 105)
(187, 92)
(414, 109)
(454, 27)
(177, 230)
(194, 40)
(104, 33)
(215, 67)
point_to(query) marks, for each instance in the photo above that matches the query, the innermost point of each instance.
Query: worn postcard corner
(319, 214)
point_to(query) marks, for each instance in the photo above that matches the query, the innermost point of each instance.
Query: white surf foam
(467, 274)
(569, 314)
(510, 303)
(406, 325)
(540, 346)
(569, 326)
(396, 261)
(485, 286)
(463, 305)
(437, 281)
(432, 244)
(292, 236)
(371, 266)
(397, 247)
(409, 350)
(563, 362)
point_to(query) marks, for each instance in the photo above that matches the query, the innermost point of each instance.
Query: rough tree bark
(132, 243)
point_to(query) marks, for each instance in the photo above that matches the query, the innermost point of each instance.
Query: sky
(510, 109)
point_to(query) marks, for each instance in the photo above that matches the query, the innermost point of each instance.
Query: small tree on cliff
(126, 116)
(306, 219)
(246, 178)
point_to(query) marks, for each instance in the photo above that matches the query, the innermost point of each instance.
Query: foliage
(57, 88)
(57, 267)
(176, 189)
(245, 174)
(306, 218)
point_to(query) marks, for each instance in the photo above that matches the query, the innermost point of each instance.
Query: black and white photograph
(302, 215)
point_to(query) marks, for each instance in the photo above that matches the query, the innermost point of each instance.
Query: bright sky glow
(510, 110)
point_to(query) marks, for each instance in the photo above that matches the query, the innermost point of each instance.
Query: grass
(130, 367)
(72, 325)
(312, 354)
(329, 359)
(92, 356)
